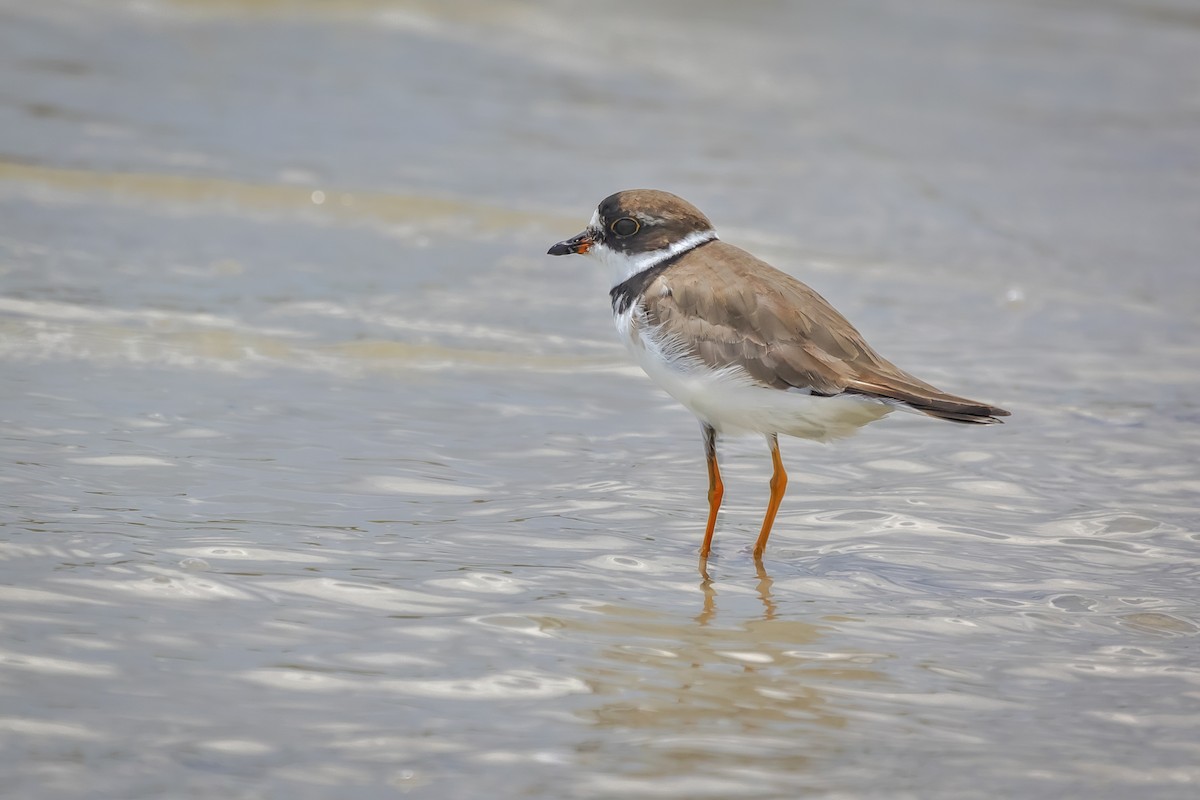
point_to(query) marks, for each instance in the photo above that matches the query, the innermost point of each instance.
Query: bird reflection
(678, 695)
(765, 582)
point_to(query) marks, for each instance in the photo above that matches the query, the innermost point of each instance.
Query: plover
(747, 348)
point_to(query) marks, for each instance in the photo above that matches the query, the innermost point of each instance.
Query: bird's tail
(920, 396)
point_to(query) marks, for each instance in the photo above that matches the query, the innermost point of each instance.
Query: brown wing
(782, 333)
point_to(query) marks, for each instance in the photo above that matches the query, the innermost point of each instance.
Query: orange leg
(716, 489)
(778, 487)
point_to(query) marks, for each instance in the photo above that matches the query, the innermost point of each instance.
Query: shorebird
(747, 348)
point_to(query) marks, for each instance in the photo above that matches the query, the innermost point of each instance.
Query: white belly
(733, 403)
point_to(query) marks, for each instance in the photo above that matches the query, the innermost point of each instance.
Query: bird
(747, 348)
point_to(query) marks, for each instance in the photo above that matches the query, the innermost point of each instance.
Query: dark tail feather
(922, 397)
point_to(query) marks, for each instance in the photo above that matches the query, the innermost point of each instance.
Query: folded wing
(783, 334)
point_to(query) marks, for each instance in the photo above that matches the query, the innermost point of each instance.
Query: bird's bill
(577, 244)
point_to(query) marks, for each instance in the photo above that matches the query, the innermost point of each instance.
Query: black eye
(625, 226)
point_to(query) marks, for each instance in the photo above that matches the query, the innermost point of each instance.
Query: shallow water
(321, 480)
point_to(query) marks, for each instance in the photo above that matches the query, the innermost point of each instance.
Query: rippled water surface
(321, 480)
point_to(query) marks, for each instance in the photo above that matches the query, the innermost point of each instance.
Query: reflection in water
(685, 700)
(710, 593)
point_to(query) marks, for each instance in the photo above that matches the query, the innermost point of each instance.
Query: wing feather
(782, 333)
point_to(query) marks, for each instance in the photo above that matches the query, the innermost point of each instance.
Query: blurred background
(319, 478)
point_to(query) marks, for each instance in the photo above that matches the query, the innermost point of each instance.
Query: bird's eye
(625, 226)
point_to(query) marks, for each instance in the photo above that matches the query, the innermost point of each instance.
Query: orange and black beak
(579, 244)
